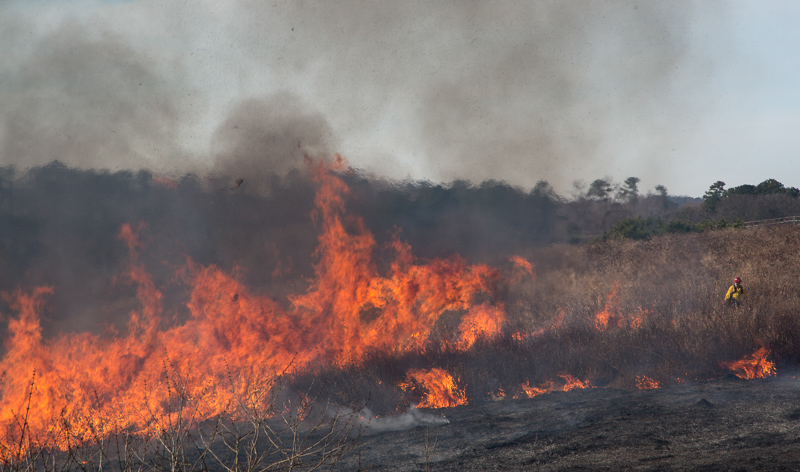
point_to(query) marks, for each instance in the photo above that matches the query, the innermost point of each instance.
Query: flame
(440, 389)
(635, 322)
(557, 322)
(235, 343)
(570, 383)
(521, 268)
(610, 315)
(497, 396)
(482, 321)
(646, 383)
(754, 366)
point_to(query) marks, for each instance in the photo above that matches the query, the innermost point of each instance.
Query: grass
(673, 284)
(666, 322)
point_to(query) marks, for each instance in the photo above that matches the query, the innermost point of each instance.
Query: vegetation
(662, 299)
(664, 321)
(646, 228)
(262, 431)
(640, 305)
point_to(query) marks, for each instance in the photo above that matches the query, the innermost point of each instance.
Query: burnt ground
(728, 424)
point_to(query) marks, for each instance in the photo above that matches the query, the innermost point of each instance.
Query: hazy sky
(676, 93)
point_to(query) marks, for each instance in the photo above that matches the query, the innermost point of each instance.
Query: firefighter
(736, 294)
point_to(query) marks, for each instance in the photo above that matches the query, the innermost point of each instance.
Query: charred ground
(728, 425)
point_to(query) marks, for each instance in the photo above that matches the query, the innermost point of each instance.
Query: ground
(727, 424)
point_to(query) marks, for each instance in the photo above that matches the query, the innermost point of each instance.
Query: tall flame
(234, 341)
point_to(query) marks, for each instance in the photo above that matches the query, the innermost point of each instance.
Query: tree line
(720, 208)
(59, 226)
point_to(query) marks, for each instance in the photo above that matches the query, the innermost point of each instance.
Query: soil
(727, 424)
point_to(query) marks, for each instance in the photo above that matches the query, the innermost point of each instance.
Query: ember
(646, 383)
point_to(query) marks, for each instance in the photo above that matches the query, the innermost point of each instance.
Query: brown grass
(668, 323)
(678, 281)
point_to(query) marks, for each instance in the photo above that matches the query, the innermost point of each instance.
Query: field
(236, 378)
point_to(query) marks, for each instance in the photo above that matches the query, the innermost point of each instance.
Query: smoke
(382, 424)
(60, 226)
(267, 136)
(88, 100)
(517, 92)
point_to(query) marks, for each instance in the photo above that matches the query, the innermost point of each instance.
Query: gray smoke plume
(87, 100)
(519, 92)
(270, 136)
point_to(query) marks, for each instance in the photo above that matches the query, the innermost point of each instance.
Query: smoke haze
(518, 92)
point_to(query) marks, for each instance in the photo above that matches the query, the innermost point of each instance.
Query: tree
(713, 195)
(600, 189)
(629, 190)
(769, 186)
(662, 195)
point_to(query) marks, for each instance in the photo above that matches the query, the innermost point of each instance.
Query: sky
(677, 93)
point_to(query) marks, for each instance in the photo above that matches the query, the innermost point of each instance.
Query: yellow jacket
(737, 294)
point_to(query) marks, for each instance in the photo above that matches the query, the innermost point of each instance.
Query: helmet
(737, 280)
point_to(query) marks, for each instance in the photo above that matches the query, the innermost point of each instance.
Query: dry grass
(667, 323)
(674, 284)
(266, 429)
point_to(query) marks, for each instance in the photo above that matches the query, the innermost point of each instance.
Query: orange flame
(635, 322)
(440, 389)
(98, 385)
(521, 268)
(570, 383)
(646, 383)
(754, 366)
(610, 315)
(165, 182)
(610, 312)
(556, 323)
(482, 321)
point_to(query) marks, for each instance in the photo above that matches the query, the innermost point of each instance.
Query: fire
(497, 396)
(235, 343)
(482, 321)
(570, 383)
(610, 315)
(646, 383)
(754, 366)
(559, 319)
(521, 268)
(440, 389)
(635, 322)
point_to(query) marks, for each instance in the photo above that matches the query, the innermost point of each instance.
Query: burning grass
(390, 333)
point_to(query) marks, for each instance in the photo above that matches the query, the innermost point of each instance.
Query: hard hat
(737, 280)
